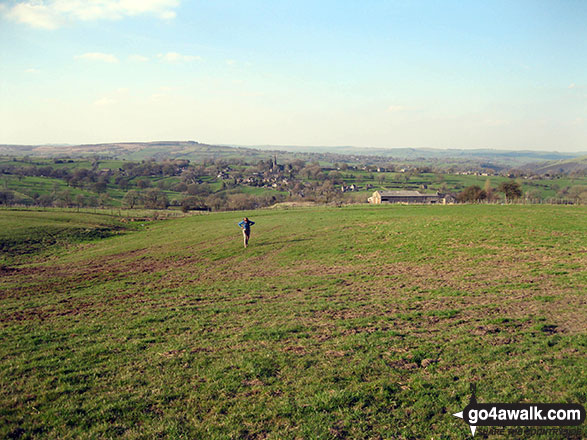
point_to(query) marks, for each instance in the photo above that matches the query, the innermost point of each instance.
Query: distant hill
(195, 151)
(574, 165)
(431, 153)
(124, 150)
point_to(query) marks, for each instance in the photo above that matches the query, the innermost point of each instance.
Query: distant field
(27, 186)
(42, 188)
(360, 322)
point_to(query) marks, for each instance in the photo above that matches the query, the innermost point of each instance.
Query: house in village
(352, 187)
(410, 197)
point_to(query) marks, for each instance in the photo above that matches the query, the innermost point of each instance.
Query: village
(227, 184)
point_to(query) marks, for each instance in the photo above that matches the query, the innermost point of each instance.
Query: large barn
(410, 197)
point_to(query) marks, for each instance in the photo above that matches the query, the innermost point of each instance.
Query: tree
(143, 183)
(80, 200)
(471, 194)
(215, 202)
(131, 199)
(156, 199)
(6, 197)
(180, 187)
(511, 189)
(64, 199)
(489, 190)
(103, 200)
(578, 193)
(335, 177)
(406, 176)
(193, 203)
(202, 189)
(100, 186)
(563, 192)
(241, 201)
(122, 182)
(45, 200)
(534, 195)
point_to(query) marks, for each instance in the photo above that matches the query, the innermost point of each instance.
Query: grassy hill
(356, 322)
(578, 164)
(195, 151)
(509, 157)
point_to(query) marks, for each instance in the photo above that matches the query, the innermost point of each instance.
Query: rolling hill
(498, 159)
(574, 165)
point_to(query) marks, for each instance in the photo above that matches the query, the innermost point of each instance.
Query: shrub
(472, 193)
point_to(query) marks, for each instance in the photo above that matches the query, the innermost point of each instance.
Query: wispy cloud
(32, 70)
(395, 108)
(138, 58)
(118, 95)
(103, 102)
(35, 14)
(174, 57)
(52, 14)
(97, 56)
(572, 85)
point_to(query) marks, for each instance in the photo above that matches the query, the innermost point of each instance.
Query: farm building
(410, 197)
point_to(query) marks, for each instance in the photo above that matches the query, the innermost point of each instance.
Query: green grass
(356, 322)
(29, 232)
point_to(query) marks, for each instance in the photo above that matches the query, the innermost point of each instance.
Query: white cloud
(35, 14)
(138, 58)
(168, 15)
(98, 56)
(572, 85)
(121, 94)
(32, 70)
(395, 108)
(231, 62)
(102, 102)
(51, 14)
(174, 57)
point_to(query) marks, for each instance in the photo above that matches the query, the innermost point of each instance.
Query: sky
(437, 74)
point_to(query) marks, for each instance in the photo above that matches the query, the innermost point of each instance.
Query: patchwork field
(356, 322)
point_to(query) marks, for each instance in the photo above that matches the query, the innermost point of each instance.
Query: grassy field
(356, 322)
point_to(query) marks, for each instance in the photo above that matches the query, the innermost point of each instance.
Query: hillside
(356, 322)
(134, 150)
(501, 156)
(496, 159)
(574, 165)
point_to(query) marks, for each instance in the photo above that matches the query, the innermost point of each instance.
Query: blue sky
(443, 74)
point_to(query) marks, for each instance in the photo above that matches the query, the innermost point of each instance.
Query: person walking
(246, 227)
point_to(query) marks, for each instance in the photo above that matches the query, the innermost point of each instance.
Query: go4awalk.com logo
(520, 414)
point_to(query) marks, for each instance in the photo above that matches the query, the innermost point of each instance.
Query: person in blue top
(246, 227)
